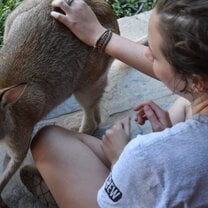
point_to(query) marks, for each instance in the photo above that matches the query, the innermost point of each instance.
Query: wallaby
(41, 64)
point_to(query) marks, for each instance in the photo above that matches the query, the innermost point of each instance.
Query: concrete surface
(126, 88)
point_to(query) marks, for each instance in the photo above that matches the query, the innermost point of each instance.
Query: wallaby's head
(8, 97)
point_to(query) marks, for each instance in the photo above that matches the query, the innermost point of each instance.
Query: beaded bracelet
(103, 40)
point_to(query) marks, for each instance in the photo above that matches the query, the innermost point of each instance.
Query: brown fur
(41, 64)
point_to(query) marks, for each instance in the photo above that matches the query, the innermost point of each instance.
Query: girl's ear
(11, 94)
(200, 83)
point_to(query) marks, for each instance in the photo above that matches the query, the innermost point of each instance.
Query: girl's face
(162, 69)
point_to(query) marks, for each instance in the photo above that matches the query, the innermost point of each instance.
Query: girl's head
(183, 27)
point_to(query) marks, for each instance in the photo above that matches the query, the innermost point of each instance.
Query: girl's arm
(131, 53)
(82, 21)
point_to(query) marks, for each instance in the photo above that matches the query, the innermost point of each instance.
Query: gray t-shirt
(161, 170)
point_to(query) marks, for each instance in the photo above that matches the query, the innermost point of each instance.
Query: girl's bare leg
(72, 165)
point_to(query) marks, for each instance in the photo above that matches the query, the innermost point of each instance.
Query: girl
(166, 168)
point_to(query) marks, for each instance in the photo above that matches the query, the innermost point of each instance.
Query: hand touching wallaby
(41, 64)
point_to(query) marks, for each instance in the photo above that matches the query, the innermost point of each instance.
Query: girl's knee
(45, 141)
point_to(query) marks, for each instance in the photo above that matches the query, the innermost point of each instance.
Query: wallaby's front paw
(88, 129)
(90, 122)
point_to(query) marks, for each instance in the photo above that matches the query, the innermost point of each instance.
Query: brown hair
(183, 25)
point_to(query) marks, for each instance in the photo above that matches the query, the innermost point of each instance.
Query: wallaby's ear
(11, 94)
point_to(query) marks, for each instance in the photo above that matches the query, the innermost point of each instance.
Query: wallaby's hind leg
(89, 99)
(12, 164)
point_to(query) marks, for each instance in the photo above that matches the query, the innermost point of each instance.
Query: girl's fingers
(150, 114)
(141, 120)
(127, 125)
(152, 117)
(141, 105)
(124, 124)
(138, 107)
(108, 133)
(61, 8)
(158, 111)
(61, 4)
(140, 117)
(58, 16)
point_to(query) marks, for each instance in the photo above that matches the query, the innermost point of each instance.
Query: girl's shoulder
(181, 135)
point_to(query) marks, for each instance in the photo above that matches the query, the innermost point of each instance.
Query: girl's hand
(115, 139)
(79, 18)
(158, 117)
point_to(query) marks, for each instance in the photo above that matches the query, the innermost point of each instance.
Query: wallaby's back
(42, 51)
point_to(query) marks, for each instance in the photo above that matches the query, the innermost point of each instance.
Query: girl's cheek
(149, 56)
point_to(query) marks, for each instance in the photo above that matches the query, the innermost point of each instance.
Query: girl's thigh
(72, 165)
